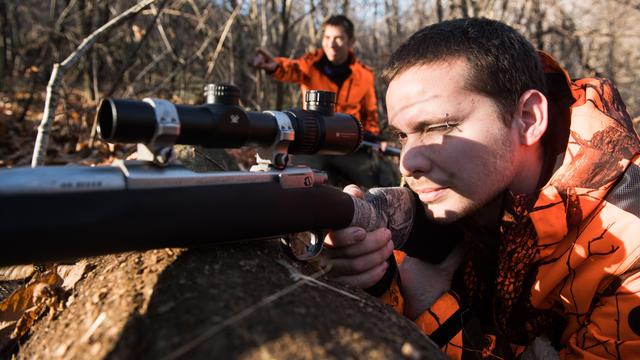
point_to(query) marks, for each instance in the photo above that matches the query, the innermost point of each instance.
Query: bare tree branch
(223, 36)
(51, 100)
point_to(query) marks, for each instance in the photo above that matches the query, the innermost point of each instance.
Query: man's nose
(414, 160)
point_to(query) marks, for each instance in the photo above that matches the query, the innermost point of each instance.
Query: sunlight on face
(336, 44)
(457, 154)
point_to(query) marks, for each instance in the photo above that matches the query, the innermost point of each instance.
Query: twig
(313, 279)
(63, 15)
(165, 39)
(223, 36)
(193, 57)
(150, 66)
(51, 100)
(92, 329)
(132, 55)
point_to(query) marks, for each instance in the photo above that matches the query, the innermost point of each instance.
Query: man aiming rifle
(535, 175)
(335, 68)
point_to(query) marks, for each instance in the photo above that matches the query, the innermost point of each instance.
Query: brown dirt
(235, 301)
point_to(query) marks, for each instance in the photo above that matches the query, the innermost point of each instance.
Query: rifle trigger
(303, 245)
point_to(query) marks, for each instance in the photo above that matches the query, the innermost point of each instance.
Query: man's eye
(442, 127)
(400, 135)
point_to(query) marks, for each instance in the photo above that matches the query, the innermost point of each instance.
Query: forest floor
(70, 134)
(238, 301)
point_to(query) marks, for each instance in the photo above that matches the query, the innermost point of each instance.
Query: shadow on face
(472, 174)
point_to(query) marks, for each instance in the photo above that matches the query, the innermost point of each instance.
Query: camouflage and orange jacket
(564, 265)
(356, 96)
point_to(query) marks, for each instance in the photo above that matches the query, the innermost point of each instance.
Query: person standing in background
(335, 68)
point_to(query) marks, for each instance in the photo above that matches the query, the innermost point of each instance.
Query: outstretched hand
(265, 61)
(357, 257)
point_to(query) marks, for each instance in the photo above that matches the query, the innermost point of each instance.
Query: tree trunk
(7, 12)
(439, 10)
(282, 47)
(345, 7)
(85, 20)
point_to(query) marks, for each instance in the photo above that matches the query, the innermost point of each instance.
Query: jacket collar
(600, 145)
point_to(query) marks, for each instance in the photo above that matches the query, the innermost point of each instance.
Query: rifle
(52, 213)
(374, 143)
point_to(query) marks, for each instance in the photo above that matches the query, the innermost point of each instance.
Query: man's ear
(531, 117)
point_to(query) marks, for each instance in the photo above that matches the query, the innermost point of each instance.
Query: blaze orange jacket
(566, 265)
(356, 96)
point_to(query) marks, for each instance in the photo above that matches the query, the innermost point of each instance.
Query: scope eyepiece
(222, 123)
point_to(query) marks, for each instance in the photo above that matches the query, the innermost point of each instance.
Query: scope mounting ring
(277, 155)
(164, 137)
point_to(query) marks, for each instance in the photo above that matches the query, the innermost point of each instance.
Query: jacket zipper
(348, 90)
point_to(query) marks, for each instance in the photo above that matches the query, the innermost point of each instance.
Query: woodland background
(173, 48)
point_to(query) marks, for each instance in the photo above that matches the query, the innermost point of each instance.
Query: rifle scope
(223, 123)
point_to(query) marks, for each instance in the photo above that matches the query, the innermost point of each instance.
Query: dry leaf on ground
(26, 304)
(16, 272)
(71, 274)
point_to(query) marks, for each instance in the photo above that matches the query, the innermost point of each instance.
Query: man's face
(457, 154)
(336, 44)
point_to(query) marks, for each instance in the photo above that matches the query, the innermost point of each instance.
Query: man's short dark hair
(342, 21)
(503, 64)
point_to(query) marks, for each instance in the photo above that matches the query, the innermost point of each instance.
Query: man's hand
(423, 283)
(264, 61)
(358, 258)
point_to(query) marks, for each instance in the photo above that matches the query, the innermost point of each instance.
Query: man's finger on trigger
(354, 190)
(345, 237)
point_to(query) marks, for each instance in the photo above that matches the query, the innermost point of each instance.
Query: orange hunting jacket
(566, 266)
(356, 96)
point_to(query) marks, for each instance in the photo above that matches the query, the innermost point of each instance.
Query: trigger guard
(303, 245)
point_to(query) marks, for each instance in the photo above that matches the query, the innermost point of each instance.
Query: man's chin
(442, 216)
